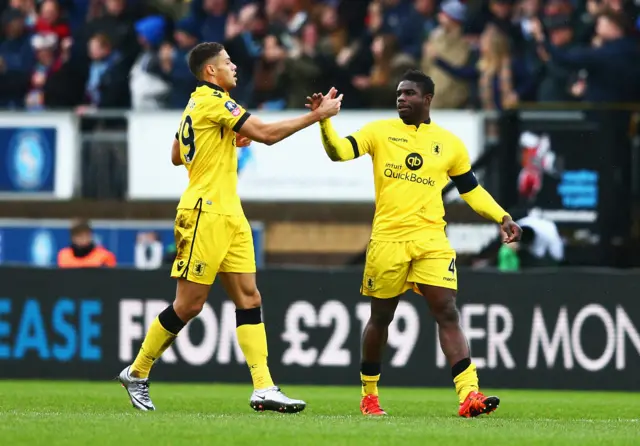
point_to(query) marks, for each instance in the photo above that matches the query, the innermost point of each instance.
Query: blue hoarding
(37, 242)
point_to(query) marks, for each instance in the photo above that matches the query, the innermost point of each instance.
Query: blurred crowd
(489, 54)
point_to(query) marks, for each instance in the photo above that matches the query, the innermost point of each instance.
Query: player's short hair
(200, 54)
(425, 82)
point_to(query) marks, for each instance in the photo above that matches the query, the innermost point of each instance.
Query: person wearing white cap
(44, 46)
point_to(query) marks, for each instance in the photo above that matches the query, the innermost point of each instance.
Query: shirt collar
(210, 85)
(413, 127)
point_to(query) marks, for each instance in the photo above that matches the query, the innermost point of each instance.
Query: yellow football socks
(158, 339)
(369, 384)
(253, 342)
(466, 382)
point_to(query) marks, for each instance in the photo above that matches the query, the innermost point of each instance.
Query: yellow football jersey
(207, 137)
(411, 166)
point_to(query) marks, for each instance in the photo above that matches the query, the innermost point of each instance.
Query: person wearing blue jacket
(612, 65)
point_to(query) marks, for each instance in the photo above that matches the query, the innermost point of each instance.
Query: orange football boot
(477, 404)
(370, 405)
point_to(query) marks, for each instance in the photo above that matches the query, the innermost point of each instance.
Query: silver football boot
(272, 398)
(138, 390)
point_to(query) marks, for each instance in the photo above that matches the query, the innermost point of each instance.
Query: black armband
(354, 146)
(241, 121)
(466, 182)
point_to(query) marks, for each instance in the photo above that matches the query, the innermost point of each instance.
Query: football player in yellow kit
(413, 159)
(213, 236)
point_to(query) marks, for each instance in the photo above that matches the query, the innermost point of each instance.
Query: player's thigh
(240, 257)
(434, 263)
(241, 289)
(190, 298)
(386, 269)
(202, 241)
(238, 269)
(383, 310)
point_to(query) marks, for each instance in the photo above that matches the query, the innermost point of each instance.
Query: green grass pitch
(78, 413)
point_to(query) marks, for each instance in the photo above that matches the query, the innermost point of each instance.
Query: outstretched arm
(272, 133)
(337, 148)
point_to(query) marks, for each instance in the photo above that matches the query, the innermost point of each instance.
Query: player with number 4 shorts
(413, 159)
(212, 235)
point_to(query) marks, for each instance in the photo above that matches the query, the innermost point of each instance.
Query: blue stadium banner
(139, 244)
(28, 159)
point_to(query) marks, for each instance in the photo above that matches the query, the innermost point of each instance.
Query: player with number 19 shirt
(213, 237)
(413, 159)
(207, 136)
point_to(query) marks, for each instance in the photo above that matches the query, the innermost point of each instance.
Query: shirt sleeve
(226, 112)
(363, 140)
(460, 164)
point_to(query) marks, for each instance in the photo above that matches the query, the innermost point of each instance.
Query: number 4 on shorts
(452, 266)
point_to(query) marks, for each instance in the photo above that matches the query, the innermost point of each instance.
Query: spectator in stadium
(351, 59)
(107, 85)
(286, 17)
(172, 61)
(64, 87)
(244, 35)
(501, 77)
(47, 63)
(212, 17)
(116, 19)
(50, 20)
(148, 84)
(447, 42)
(556, 80)
(84, 252)
(612, 66)
(16, 59)
(334, 36)
(303, 67)
(379, 85)
(28, 9)
(421, 22)
(269, 90)
(401, 19)
(498, 13)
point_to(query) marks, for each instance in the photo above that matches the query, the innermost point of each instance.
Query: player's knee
(447, 313)
(188, 310)
(381, 318)
(254, 300)
(249, 299)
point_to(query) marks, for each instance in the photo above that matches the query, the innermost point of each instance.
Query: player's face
(225, 71)
(410, 101)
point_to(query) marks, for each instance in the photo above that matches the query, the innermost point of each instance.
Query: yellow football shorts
(208, 243)
(392, 268)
